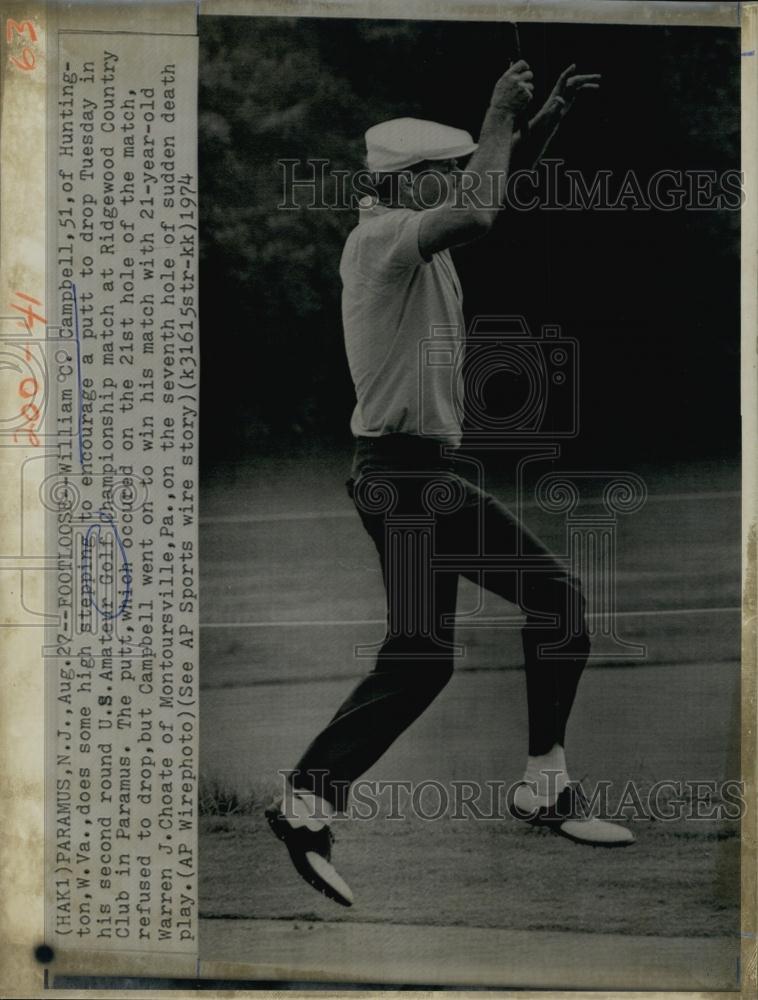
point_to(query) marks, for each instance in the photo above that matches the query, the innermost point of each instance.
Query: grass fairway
(282, 548)
(679, 879)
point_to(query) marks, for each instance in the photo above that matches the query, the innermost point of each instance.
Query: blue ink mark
(78, 372)
(750, 53)
(86, 576)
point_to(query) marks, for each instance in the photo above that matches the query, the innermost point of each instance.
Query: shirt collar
(369, 208)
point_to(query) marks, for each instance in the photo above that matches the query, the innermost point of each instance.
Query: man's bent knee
(425, 662)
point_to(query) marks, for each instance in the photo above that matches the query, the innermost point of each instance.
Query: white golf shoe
(569, 816)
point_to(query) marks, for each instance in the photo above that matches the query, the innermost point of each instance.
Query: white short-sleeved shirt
(392, 301)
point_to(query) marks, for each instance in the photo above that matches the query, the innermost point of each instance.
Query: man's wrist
(551, 112)
(558, 105)
(503, 114)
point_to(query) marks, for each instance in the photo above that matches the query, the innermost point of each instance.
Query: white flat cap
(400, 142)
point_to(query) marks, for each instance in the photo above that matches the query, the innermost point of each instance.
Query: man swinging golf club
(399, 282)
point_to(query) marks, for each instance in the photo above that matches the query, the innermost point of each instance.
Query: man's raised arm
(530, 148)
(471, 215)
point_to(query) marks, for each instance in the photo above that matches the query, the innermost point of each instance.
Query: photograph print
(470, 502)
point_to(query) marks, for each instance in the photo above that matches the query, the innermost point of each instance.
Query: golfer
(399, 282)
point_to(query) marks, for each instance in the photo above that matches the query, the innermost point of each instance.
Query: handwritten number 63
(12, 28)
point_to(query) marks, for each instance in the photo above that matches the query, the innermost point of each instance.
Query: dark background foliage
(652, 297)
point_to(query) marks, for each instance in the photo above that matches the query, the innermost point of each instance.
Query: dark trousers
(430, 525)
